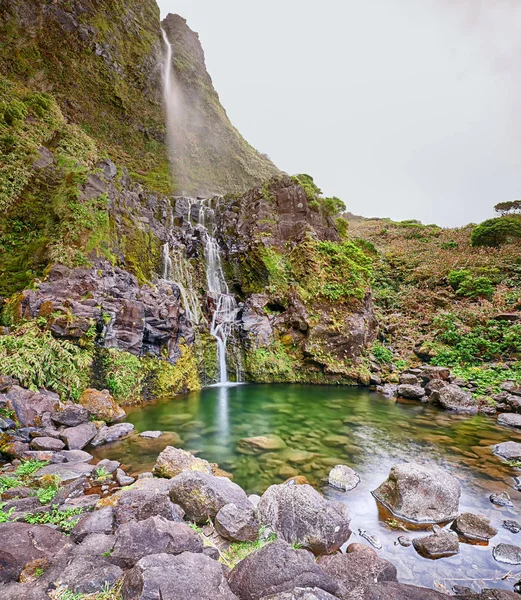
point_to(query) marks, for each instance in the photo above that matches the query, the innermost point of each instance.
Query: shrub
(310, 187)
(495, 232)
(476, 287)
(382, 354)
(123, 374)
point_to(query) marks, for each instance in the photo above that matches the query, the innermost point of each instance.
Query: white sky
(402, 108)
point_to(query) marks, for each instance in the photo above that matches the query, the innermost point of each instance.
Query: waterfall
(167, 261)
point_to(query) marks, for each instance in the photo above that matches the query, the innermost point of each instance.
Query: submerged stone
(507, 553)
(343, 478)
(261, 443)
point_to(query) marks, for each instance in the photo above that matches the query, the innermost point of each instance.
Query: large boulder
(437, 545)
(452, 397)
(30, 407)
(356, 571)
(66, 471)
(102, 406)
(413, 392)
(86, 575)
(78, 437)
(99, 521)
(182, 577)
(202, 496)
(47, 444)
(475, 528)
(110, 434)
(23, 543)
(400, 591)
(143, 501)
(155, 535)
(173, 461)
(71, 415)
(508, 450)
(510, 420)
(299, 514)
(237, 523)
(429, 373)
(420, 493)
(277, 568)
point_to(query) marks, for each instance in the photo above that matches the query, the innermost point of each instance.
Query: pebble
(501, 499)
(372, 539)
(151, 434)
(404, 541)
(512, 526)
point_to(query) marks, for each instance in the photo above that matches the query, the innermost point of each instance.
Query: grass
(61, 518)
(109, 593)
(238, 551)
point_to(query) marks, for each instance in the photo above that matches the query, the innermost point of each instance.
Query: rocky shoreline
(70, 526)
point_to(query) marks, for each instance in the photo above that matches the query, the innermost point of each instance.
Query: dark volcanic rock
(87, 575)
(95, 544)
(140, 503)
(437, 545)
(99, 521)
(399, 591)
(182, 577)
(110, 434)
(452, 397)
(47, 443)
(237, 523)
(202, 496)
(302, 594)
(299, 514)
(420, 493)
(156, 535)
(474, 527)
(78, 437)
(414, 392)
(66, 471)
(356, 571)
(277, 568)
(71, 416)
(30, 407)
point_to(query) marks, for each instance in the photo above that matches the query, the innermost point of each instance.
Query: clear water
(375, 434)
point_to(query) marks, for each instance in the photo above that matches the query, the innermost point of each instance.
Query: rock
(501, 499)
(437, 545)
(508, 450)
(404, 541)
(435, 385)
(420, 493)
(71, 416)
(354, 572)
(400, 591)
(78, 437)
(452, 397)
(512, 526)
(151, 434)
(237, 523)
(202, 496)
(277, 568)
(30, 407)
(19, 591)
(141, 503)
(99, 521)
(123, 479)
(47, 443)
(23, 543)
(299, 514)
(409, 379)
(375, 379)
(155, 535)
(71, 490)
(71, 456)
(87, 575)
(510, 419)
(474, 527)
(109, 466)
(6, 383)
(389, 390)
(334, 440)
(374, 540)
(507, 553)
(109, 168)
(172, 461)
(102, 406)
(66, 471)
(343, 478)
(86, 503)
(355, 547)
(259, 444)
(170, 577)
(429, 373)
(300, 593)
(413, 392)
(110, 434)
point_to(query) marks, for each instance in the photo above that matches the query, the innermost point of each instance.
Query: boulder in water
(507, 553)
(420, 493)
(343, 478)
(102, 406)
(173, 461)
(261, 443)
(508, 450)
(475, 528)
(413, 392)
(452, 397)
(437, 545)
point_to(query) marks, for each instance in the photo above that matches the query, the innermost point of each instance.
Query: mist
(402, 109)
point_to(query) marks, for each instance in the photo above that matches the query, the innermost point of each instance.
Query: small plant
(62, 518)
(238, 551)
(101, 473)
(5, 516)
(29, 467)
(382, 354)
(38, 572)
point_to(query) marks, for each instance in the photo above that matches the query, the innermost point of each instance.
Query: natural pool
(324, 426)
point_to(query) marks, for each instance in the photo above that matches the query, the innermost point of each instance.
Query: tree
(498, 231)
(503, 208)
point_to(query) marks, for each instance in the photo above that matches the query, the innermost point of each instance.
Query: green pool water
(325, 426)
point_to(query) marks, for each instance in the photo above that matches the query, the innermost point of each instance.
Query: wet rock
(66, 471)
(420, 493)
(508, 450)
(277, 568)
(452, 397)
(202, 496)
(435, 385)
(343, 478)
(155, 535)
(512, 526)
(507, 553)
(510, 419)
(404, 541)
(474, 527)
(30, 407)
(173, 461)
(109, 466)
(151, 434)
(437, 545)
(110, 434)
(374, 540)
(71, 456)
(409, 379)
(47, 444)
(170, 577)
(99, 521)
(501, 499)
(309, 593)
(414, 392)
(299, 514)
(78, 437)
(389, 390)
(259, 444)
(334, 440)
(23, 543)
(123, 479)
(400, 591)
(71, 416)
(237, 523)
(87, 575)
(353, 572)
(375, 379)
(102, 406)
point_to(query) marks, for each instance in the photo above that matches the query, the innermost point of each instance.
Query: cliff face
(210, 155)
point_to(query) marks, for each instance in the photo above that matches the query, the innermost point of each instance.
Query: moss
(122, 374)
(166, 379)
(271, 364)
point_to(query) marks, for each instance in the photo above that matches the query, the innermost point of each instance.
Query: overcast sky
(402, 108)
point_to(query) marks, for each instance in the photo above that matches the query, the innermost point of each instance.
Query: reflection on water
(324, 426)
